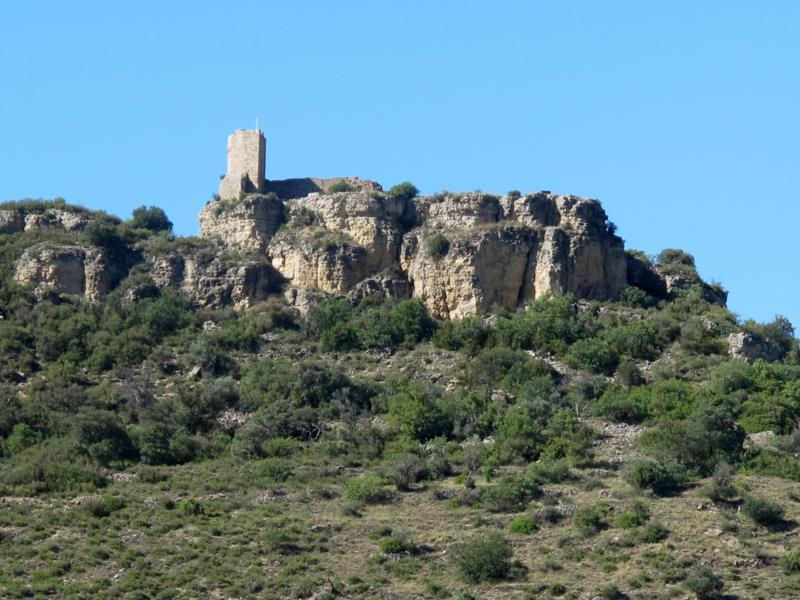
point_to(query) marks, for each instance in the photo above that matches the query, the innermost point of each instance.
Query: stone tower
(247, 150)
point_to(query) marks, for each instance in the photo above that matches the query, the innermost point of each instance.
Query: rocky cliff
(501, 251)
(460, 254)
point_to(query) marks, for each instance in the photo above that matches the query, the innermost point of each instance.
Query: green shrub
(593, 354)
(397, 543)
(763, 511)
(341, 186)
(698, 443)
(279, 447)
(417, 412)
(550, 470)
(510, 494)
(103, 507)
(404, 472)
(589, 520)
(438, 246)
(722, 483)
(22, 436)
(790, 562)
(611, 592)
(190, 507)
(369, 489)
(404, 191)
(484, 558)
(151, 218)
(704, 583)
(523, 525)
(635, 517)
(469, 334)
(662, 478)
(654, 532)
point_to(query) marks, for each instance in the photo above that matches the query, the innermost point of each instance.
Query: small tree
(152, 218)
(404, 191)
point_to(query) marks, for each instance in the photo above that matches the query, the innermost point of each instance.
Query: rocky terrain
(501, 251)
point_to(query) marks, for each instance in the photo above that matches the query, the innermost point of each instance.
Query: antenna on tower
(257, 124)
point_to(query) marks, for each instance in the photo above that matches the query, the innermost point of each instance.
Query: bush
(704, 583)
(510, 494)
(397, 543)
(190, 507)
(654, 532)
(404, 472)
(404, 191)
(485, 558)
(589, 520)
(103, 507)
(523, 525)
(438, 246)
(369, 489)
(662, 478)
(593, 354)
(790, 563)
(151, 218)
(417, 412)
(469, 334)
(635, 517)
(763, 511)
(341, 186)
(722, 483)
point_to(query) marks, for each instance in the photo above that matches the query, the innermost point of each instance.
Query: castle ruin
(247, 151)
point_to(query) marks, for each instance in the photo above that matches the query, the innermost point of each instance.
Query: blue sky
(682, 117)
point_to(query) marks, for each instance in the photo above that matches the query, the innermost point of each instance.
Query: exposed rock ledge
(502, 251)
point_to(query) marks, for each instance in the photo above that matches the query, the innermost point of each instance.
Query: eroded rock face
(214, 283)
(311, 261)
(505, 251)
(17, 220)
(65, 269)
(750, 347)
(372, 221)
(482, 269)
(249, 223)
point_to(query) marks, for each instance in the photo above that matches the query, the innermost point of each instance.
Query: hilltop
(337, 390)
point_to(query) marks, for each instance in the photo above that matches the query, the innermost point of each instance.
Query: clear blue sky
(682, 117)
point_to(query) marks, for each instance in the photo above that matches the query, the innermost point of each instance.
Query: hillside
(341, 391)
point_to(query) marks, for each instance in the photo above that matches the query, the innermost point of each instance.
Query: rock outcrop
(17, 220)
(750, 347)
(248, 223)
(65, 269)
(503, 250)
(461, 254)
(215, 283)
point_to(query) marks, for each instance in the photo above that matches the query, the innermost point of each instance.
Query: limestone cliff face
(65, 269)
(248, 223)
(215, 283)
(315, 259)
(492, 251)
(505, 251)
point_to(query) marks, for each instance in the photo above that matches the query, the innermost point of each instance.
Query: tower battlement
(247, 151)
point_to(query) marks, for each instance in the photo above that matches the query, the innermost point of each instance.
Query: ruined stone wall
(247, 151)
